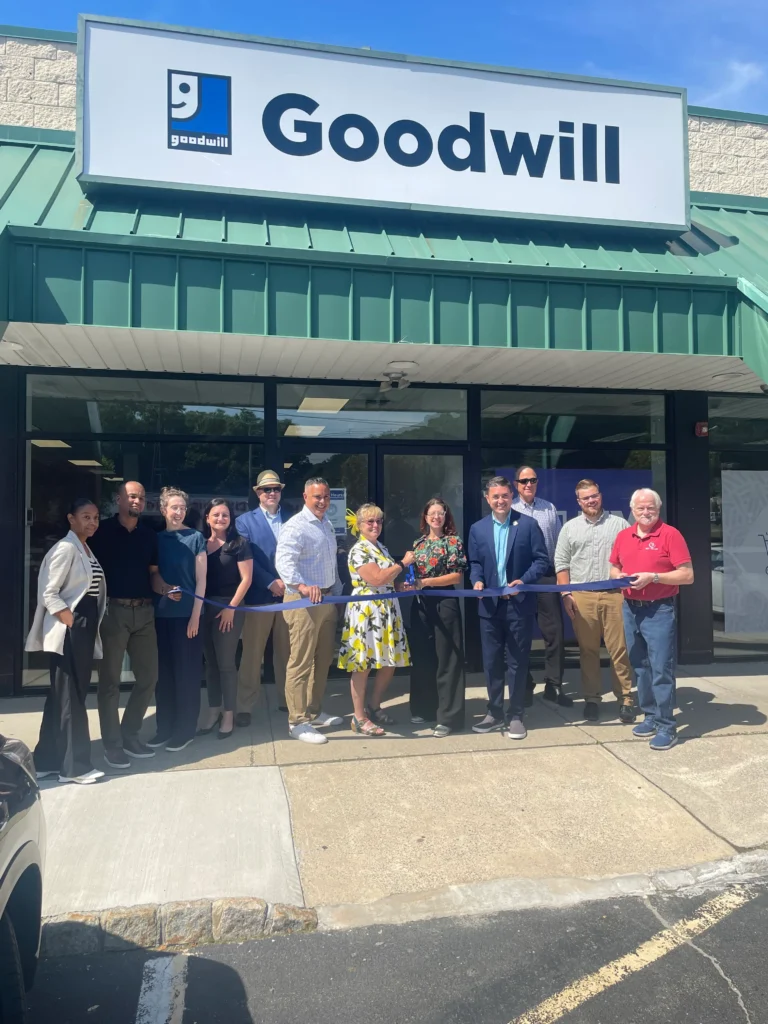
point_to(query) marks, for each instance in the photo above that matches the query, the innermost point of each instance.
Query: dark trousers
(220, 657)
(65, 742)
(506, 641)
(177, 697)
(133, 630)
(549, 615)
(437, 654)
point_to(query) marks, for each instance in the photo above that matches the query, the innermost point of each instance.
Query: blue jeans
(652, 644)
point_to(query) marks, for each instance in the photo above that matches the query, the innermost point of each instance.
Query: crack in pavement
(707, 956)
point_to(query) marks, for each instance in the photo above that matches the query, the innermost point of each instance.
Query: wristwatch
(399, 561)
(655, 577)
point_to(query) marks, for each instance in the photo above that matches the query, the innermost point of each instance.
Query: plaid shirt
(306, 553)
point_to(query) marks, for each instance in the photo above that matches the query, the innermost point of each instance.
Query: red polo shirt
(661, 550)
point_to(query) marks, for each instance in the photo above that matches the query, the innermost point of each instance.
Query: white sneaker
(45, 775)
(84, 780)
(307, 733)
(323, 719)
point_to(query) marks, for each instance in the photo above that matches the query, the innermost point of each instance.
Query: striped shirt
(545, 514)
(584, 547)
(307, 553)
(97, 576)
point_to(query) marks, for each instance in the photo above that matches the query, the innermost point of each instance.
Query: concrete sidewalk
(361, 820)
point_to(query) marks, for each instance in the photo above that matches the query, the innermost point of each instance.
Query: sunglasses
(373, 522)
(528, 480)
(270, 490)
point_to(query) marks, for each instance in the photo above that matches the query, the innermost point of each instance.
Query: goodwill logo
(199, 112)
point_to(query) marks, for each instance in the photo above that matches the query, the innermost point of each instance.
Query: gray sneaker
(488, 724)
(516, 730)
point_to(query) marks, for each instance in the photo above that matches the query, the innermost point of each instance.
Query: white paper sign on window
(743, 570)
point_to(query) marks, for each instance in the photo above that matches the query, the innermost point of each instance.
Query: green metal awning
(185, 262)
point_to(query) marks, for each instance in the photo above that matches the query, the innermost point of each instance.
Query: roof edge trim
(728, 115)
(43, 34)
(37, 136)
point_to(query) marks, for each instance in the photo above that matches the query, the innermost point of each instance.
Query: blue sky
(718, 50)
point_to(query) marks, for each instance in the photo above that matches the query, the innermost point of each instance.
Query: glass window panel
(410, 480)
(617, 473)
(740, 604)
(57, 475)
(739, 420)
(59, 404)
(576, 418)
(320, 410)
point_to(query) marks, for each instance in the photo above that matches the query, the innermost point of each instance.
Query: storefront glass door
(407, 481)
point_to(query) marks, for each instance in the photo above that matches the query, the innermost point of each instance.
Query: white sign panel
(189, 110)
(743, 569)
(337, 511)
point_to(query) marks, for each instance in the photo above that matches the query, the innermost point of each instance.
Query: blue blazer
(527, 560)
(253, 525)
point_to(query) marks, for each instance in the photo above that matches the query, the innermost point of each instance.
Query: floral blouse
(439, 557)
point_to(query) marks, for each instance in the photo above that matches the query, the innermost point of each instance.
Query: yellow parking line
(659, 945)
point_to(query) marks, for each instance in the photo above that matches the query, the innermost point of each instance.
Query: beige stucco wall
(37, 83)
(728, 156)
(38, 88)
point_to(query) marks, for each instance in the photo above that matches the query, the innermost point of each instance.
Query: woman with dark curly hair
(435, 634)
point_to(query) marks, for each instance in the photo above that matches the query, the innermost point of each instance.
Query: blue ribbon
(523, 588)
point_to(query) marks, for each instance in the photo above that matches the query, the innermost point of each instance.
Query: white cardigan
(65, 578)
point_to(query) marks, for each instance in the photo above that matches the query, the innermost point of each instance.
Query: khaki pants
(599, 613)
(312, 633)
(256, 629)
(132, 630)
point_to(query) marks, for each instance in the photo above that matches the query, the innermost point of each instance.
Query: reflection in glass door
(408, 481)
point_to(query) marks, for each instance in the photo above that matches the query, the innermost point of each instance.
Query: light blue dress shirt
(500, 539)
(273, 520)
(545, 514)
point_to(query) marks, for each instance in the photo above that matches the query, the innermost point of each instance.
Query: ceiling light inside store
(332, 405)
(50, 444)
(617, 437)
(499, 409)
(115, 479)
(296, 430)
(287, 465)
(85, 462)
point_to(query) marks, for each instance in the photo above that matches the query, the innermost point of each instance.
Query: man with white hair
(657, 557)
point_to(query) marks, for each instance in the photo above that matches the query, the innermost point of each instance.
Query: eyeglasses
(528, 480)
(436, 515)
(270, 490)
(373, 522)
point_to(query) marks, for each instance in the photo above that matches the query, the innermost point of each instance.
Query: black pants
(65, 742)
(180, 669)
(221, 657)
(437, 652)
(549, 615)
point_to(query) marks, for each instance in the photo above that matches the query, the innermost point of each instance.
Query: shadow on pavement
(699, 714)
(106, 988)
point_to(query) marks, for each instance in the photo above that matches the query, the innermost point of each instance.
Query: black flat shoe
(205, 732)
(225, 735)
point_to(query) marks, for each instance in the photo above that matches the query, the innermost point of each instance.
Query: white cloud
(741, 76)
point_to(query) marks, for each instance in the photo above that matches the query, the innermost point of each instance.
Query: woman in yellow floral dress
(373, 636)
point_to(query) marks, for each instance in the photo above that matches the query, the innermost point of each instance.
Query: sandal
(380, 716)
(366, 727)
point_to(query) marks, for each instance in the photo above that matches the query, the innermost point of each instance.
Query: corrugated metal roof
(38, 189)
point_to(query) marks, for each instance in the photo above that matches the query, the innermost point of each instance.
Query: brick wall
(37, 83)
(728, 156)
(38, 89)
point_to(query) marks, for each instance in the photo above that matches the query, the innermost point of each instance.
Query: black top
(224, 577)
(125, 556)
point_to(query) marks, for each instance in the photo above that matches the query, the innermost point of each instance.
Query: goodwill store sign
(185, 109)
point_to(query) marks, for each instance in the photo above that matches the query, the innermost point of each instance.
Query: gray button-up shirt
(545, 514)
(584, 547)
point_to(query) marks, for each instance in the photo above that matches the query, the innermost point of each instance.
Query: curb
(485, 898)
(171, 925)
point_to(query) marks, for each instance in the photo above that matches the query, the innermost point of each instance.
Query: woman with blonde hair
(373, 637)
(182, 559)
